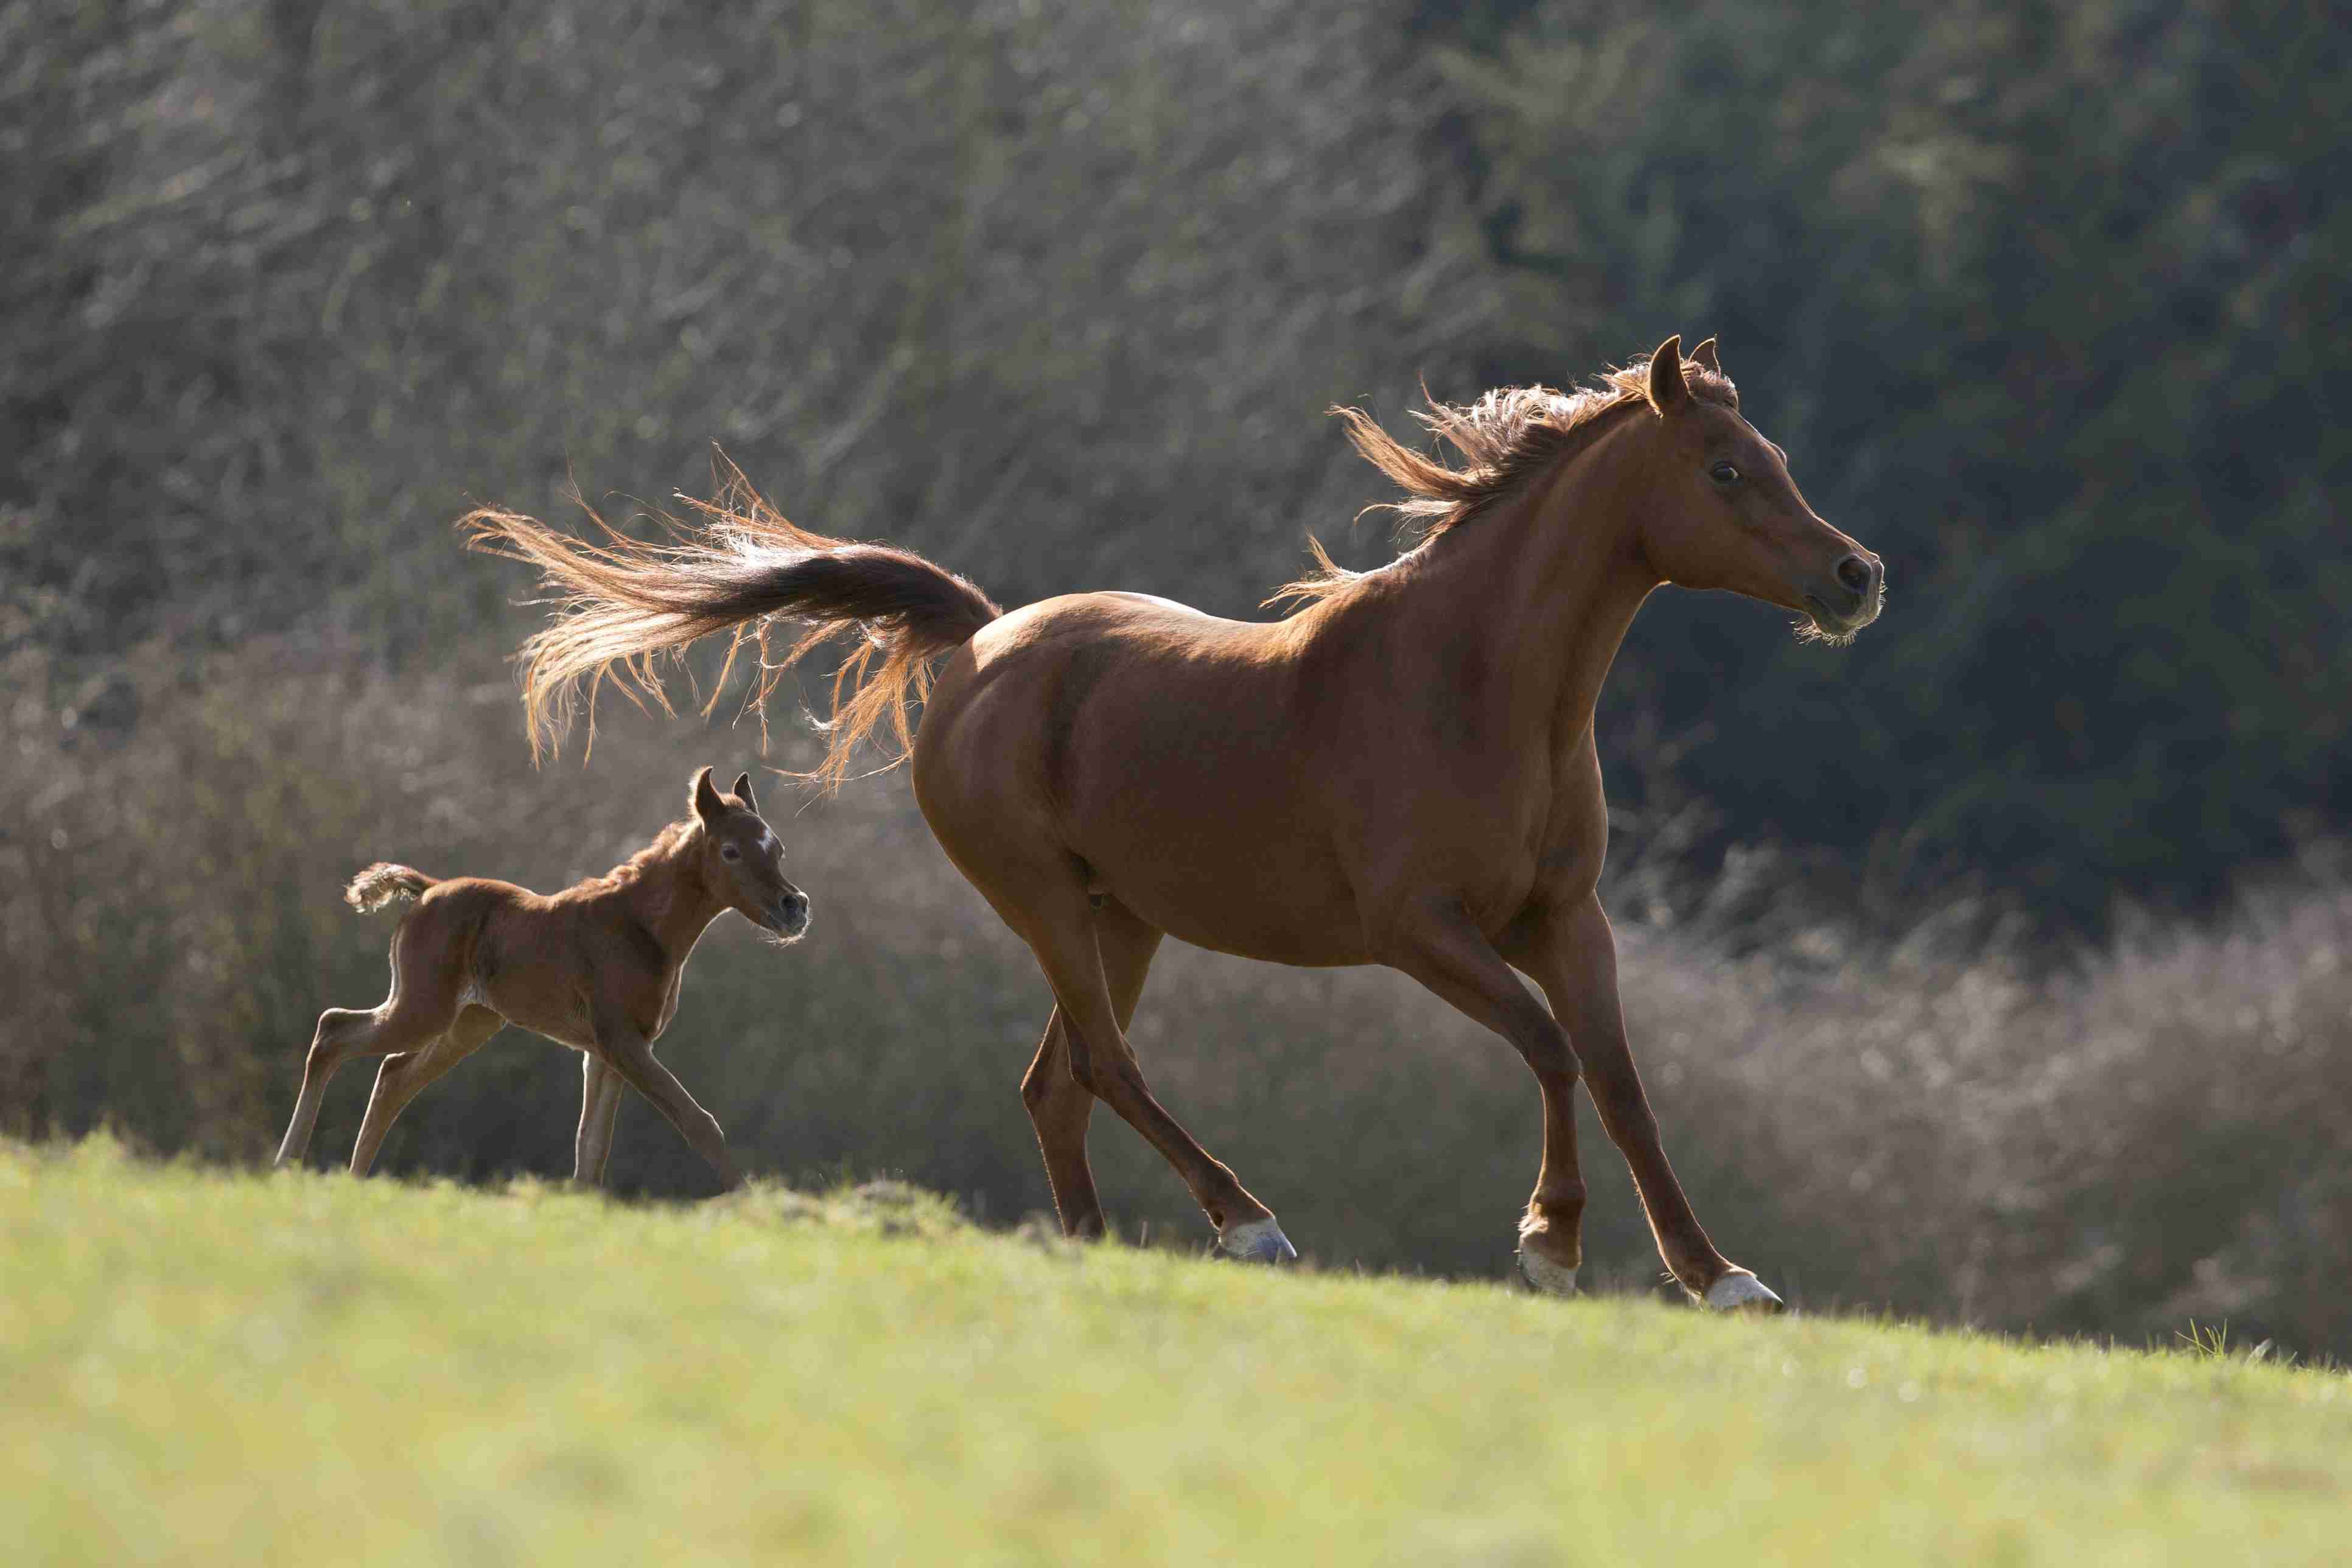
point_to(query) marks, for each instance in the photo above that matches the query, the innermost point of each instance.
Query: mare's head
(743, 860)
(1725, 514)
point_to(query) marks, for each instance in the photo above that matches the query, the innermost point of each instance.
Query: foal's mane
(664, 846)
(1506, 437)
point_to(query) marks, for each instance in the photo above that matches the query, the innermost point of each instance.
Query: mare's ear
(742, 792)
(1705, 355)
(707, 804)
(1667, 389)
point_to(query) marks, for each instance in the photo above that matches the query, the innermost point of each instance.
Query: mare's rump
(1155, 747)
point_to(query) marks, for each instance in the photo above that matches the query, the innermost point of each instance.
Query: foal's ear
(742, 792)
(1667, 388)
(707, 804)
(1705, 355)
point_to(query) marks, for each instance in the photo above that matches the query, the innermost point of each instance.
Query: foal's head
(1730, 517)
(743, 860)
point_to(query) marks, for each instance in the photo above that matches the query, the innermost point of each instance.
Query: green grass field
(207, 1366)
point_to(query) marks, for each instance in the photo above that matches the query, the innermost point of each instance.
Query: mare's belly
(1308, 945)
(1243, 868)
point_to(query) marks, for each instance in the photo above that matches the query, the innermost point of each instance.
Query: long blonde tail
(626, 603)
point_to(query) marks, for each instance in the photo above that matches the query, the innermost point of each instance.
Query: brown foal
(596, 967)
(1400, 772)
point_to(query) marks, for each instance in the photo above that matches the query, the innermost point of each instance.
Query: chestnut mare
(1400, 772)
(596, 967)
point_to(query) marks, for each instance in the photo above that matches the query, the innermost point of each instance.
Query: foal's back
(531, 958)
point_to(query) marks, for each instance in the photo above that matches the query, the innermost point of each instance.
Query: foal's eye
(729, 852)
(1724, 474)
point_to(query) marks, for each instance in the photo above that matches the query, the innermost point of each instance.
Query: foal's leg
(423, 1004)
(1058, 1104)
(631, 1055)
(404, 1077)
(331, 1044)
(600, 1105)
(1573, 956)
(610, 1109)
(1060, 928)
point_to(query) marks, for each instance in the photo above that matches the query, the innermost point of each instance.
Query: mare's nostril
(1857, 574)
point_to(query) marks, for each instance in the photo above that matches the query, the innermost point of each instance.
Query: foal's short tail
(739, 569)
(383, 882)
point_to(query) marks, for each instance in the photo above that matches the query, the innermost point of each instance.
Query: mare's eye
(1724, 474)
(729, 852)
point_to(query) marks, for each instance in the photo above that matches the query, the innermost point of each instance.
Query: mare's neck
(1541, 591)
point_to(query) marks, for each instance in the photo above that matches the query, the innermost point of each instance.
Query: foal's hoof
(1259, 1241)
(1544, 1275)
(1739, 1292)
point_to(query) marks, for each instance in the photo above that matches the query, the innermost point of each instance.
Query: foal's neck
(669, 897)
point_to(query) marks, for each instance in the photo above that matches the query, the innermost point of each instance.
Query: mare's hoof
(1739, 1292)
(1544, 1275)
(1259, 1241)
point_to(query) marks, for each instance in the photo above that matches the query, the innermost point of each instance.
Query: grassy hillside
(207, 1366)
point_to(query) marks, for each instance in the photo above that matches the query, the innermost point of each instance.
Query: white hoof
(1742, 1291)
(1258, 1241)
(1551, 1279)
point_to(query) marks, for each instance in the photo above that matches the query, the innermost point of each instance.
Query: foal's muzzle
(792, 917)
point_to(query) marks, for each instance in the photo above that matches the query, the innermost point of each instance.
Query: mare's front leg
(1572, 955)
(600, 1104)
(1439, 945)
(626, 1048)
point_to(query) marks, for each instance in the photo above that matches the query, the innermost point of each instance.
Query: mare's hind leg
(403, 1077)
(1058, 1104)
(1059, 924)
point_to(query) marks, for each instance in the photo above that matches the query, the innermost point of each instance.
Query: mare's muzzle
(1852, 597)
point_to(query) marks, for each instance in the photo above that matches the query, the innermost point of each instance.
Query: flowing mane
(1506, 437)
